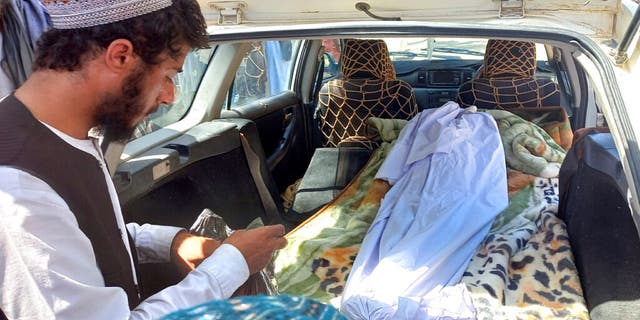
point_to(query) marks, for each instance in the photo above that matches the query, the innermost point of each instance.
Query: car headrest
(509, 58)
(363, 59)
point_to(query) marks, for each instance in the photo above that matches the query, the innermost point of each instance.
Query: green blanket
(528, 148)
(321, 251)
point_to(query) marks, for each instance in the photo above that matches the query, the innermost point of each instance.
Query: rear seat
(330, 171)
(602, 232)
(195, 183)
(368, 88)
(196, 157)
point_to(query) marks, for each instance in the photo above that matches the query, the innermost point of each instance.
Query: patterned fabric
(366, 59)
(368, 89)
(289, 195)
(321, 250)
(259, 308)
(524, 269)
(528, 148)
(507, 58)
(78, 14)
(507, 80)
(332, 267)
(553, 120)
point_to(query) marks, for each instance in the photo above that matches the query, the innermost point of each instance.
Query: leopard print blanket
(524, 268)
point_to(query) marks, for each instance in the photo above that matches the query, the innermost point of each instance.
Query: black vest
(76, 176)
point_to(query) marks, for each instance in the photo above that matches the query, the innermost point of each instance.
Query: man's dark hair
(152, 34)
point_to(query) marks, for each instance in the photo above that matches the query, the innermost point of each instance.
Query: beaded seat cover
(369, 88)
(508, 79)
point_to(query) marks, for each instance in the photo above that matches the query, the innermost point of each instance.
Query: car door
(190, 157)
(233, 140)
(262, 92)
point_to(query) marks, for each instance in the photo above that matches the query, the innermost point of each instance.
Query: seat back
(368, 88)
(508, 81)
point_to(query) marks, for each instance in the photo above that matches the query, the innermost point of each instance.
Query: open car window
(266, 70)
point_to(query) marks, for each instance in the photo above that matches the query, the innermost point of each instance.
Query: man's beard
(114, 115)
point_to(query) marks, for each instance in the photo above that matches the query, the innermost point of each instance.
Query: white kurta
(48, 268)
(448, 177)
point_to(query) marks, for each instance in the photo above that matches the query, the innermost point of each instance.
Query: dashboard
(438, 82)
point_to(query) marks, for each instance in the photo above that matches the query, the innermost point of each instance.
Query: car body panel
(597, 16)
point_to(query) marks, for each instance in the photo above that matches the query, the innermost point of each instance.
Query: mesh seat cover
(251, 77)
(368, 89)
(508, 79)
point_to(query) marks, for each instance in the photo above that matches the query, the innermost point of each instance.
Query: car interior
(276, 127)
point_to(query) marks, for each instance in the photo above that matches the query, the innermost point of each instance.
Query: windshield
(403, 49)
(435, 49)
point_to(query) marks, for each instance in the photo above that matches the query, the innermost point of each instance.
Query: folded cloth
(553, 120)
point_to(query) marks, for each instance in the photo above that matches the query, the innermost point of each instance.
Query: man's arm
(217, 277)
(153, 242)
(58, 259)
(256, 246)
(156, 243)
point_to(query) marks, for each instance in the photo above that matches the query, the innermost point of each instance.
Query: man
(64, 249)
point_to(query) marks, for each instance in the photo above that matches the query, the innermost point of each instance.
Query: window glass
(186, 85)
(331, 59)
(408, 51)
(266, 70)
(402, 49)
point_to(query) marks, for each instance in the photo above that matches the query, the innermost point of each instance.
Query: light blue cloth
(17, 57)
(22, 23)
(277, 67)
(448, 177)
(36, 20)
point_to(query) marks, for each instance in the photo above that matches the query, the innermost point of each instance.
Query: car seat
(368, 88)
(507, 79)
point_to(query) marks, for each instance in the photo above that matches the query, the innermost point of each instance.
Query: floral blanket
(322, 249)
(523, 269)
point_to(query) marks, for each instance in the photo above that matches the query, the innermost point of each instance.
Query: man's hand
(188, 251)
(258, 245)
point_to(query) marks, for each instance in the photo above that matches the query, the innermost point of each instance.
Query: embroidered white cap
(76, 14)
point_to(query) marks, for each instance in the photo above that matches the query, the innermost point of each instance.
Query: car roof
(593, 18)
